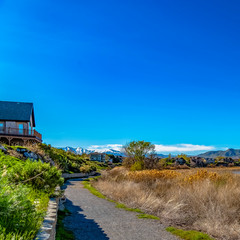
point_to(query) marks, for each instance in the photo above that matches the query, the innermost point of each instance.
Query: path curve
(95, 218)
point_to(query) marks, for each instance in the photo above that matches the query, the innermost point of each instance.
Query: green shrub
(69, 162)
(39, 175)
(21, 210)
(137, 166)
(25, 187)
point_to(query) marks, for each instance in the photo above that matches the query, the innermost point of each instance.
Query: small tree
(137, 152)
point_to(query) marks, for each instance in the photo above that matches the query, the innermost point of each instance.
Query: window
(1, 126)
(20, 128)
(29, 129)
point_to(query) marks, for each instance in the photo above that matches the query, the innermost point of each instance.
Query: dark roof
(16, 111)
(96, 153)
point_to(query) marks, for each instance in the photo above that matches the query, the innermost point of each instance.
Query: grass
(61, 232)
(123, 206)
(148, 216)
(94, 191)
(188, 235)
(87, 184)
(25, 188)
(201, 200)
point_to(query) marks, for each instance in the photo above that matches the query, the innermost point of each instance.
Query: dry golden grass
(36, 149)
(204, 200)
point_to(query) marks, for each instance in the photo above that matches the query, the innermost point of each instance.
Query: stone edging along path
(48, 228)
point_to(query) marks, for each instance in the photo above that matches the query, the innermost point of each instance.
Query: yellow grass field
(206, 200)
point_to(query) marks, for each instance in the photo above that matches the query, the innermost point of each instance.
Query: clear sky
(107, 72)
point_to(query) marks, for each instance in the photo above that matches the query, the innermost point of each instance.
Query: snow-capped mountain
(109, 151)
(80, 151)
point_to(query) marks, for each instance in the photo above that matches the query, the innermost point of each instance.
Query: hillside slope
(233, 153)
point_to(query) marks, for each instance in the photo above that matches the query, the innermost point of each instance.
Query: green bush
(69, 162)
(39, 175)
(25, 187)
(17, 210)
(137, 166)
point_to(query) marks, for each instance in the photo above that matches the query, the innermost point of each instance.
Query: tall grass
(202, 200)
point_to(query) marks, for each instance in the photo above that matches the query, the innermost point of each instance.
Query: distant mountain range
(233, 153)
(80, 151)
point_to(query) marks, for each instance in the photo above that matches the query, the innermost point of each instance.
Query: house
(17, 123)
(100, 157)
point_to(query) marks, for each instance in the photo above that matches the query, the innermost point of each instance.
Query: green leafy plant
(25, 187)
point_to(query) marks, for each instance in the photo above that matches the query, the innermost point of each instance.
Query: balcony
(17, 132)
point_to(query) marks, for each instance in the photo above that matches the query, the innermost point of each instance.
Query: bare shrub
(15, 154)
(203, 200)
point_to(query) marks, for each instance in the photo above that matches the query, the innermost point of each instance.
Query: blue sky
(107, 72)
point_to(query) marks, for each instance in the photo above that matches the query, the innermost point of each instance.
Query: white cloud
(105, 148)
(180, 148)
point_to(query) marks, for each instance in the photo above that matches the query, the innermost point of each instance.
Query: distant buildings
(100, 157)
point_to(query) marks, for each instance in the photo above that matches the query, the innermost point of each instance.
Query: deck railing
(20, 132)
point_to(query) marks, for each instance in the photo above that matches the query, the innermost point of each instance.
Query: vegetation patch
(27, 180)
(25, 188)
(188, 235)
(62, 232)
(123, 206)
(148, 216)
(70, 162)
(94, 191)
(198, 199)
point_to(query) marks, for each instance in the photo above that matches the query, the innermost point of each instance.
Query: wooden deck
(12, 135)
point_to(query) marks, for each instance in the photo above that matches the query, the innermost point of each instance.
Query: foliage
(184, 156)
(25, 188)
(137, 166)
(138, 150)
(138, 153)
(188, 235)
(70, 162)
(115, 159)
(164, 162)
(39, 175)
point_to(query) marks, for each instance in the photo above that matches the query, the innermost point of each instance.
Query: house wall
(31, 121)
(11, 124)
(97, 157)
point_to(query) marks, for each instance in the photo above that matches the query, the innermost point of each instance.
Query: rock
(31, 155)
(21, 150)
(61, 206)
(3, 148)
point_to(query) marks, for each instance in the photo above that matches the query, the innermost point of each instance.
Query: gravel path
(94, 218)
